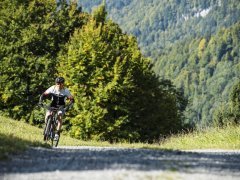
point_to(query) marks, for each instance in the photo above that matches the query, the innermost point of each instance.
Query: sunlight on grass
(16, 136)
(34, 135)
(212, 138)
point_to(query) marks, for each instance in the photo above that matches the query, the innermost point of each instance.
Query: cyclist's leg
(60, 119)
(59, 125)
(46, 116)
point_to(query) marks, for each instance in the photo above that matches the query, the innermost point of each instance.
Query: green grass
(211, 138)
(16, 136)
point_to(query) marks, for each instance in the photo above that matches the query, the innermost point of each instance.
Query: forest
(118, 97)
(135, 77)
(195, 44)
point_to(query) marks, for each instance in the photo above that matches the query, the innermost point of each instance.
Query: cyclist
(58, 94)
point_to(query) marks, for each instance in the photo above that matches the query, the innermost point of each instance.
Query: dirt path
(120, 163)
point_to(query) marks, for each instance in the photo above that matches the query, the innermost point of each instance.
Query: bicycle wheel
(47, 129)
(52, 136)
(55, 142)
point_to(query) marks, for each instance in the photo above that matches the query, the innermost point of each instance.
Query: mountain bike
(51, 125)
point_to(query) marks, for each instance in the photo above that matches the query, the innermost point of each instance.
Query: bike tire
(52, 135)
(47, 129)
(55, 142)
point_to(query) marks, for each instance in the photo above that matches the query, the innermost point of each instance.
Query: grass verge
(211, 138)
(16, 136)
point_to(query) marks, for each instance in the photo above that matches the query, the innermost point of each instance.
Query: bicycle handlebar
(52, 108)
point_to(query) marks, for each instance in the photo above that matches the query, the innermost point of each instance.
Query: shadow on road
(10, 144)
(79, 159)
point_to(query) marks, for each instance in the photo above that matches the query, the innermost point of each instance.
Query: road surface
(109, 163)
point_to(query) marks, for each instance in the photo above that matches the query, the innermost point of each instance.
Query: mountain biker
(58, 94)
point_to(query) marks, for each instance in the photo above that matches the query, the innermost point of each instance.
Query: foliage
(190, 43)
(31, 35)
(160, 24)
(118, 97)
(229, 113)
(117, 94)
(206, 69)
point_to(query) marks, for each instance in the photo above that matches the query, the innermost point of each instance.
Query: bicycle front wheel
(47, 129)
(55, 141)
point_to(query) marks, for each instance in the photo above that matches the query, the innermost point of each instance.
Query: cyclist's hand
(40, 104)
(66, 109)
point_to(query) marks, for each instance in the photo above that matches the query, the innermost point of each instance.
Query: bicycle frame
(51, 124)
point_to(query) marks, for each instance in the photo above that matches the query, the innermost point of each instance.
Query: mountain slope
(159, 24)
(207, 69)
(193, 43)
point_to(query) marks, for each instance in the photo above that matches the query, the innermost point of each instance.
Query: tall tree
(31, 35)
(117, 94)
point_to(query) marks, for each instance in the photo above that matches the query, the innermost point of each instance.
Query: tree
(235, 102)
(31, 35)
(229, 113)
(118, 97)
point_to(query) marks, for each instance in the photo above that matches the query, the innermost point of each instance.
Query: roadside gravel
(120, 163)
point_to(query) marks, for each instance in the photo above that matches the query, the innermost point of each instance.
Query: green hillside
(118, 97)
(195, 44)
(207, 69)
(17, 136)
(120, 93)
(159, 24)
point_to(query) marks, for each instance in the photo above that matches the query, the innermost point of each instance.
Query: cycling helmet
(59, 80)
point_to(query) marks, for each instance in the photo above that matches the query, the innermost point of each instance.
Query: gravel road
(105, 163)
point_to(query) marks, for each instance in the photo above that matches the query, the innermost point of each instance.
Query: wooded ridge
(118, 96)
(195, 44)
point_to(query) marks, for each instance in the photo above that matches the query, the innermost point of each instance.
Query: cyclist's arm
(45, 95)
(71, 99)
